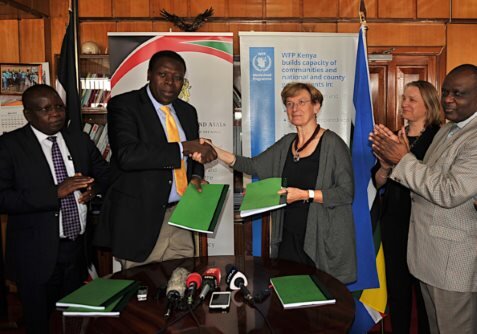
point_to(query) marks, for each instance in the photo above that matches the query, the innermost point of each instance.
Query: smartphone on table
(220, 300)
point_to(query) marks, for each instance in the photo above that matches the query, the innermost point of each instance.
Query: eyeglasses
(48, 109)
(291, 105)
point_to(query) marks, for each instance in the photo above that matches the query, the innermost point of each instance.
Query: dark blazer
(396, 201)
(29, 196)
(142, 166)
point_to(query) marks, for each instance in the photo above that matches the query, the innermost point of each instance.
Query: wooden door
(388, 79)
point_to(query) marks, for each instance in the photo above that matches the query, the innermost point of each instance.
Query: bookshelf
(95, 91)
(95, 88)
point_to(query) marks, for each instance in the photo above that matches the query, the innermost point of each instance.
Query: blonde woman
(420, 107)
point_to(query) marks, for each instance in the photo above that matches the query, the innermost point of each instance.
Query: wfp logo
(261, 62)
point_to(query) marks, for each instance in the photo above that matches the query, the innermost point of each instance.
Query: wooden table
(148, 316)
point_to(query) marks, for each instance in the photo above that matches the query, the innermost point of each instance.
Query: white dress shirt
(173, 195)
(70, 169)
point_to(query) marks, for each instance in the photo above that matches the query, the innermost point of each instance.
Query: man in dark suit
(153, 135)
(47, 175)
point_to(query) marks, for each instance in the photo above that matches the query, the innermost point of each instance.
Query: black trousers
(401, 283)
(38, 300)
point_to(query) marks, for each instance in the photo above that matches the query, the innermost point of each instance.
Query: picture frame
(16, 78)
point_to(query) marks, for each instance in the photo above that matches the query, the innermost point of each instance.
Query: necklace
(416, 138)
(296, 157)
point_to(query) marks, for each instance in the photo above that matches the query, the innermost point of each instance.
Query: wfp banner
(271, 60)
(208, 87)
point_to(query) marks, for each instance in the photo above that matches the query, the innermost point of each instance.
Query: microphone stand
(250, 300)
(182, 316)
(192, 314)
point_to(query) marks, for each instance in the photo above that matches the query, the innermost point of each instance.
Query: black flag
(66, 85)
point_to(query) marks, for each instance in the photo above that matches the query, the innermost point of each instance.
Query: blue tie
(69, 208)
(454, 128)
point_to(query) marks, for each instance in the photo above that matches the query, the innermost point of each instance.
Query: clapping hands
(388, 147)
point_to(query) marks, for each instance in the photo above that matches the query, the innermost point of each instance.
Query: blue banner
(262, 122)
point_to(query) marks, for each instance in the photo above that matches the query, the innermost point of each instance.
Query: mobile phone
(220, 300)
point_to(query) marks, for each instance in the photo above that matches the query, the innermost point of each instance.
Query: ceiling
(24, 9)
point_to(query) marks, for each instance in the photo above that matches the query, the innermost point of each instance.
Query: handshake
(200, 150)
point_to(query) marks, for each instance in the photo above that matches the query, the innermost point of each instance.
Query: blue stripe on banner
(362, 320)
(363, 160)
(262, 115)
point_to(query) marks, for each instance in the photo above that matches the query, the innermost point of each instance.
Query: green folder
(200, 211)
(113, 309)
(262, 196)
(97, 294)
(298, 291)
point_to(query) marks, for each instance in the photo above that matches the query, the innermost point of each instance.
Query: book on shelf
(98, 98)
(103, 139)
(107, 152)
(113, 309)
(94, 129)
(262, 196)
(298, 291)
(92, 97)
(85, 96)
(98, 133)
(97, 294)
(95, 90)
(95, 98)
(200, 211)
(107, 96)
(95, 133)
(87, 127)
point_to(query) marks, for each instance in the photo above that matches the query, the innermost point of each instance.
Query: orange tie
(173, 137)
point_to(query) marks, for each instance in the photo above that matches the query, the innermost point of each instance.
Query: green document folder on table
(113, 309)
(298, 291)
(97, 294)
(262, 196)
(200, 211)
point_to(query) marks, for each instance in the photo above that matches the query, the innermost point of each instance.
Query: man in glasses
(47, 176)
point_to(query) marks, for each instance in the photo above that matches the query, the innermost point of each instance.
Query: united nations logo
(261, 62)
(185, 91)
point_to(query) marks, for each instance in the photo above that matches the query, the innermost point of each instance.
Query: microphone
(211, 279)
(193, 282)
(236, 280)
(175, 288)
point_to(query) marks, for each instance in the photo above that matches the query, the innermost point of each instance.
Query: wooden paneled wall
(392, 23)
(461, 44)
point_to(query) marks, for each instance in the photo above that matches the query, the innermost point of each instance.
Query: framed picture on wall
(16, 78)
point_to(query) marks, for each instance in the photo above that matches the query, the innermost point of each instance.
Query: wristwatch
(311, 196)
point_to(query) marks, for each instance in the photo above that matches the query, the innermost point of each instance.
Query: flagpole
(74, 9)
(362, 18)
(68, 80)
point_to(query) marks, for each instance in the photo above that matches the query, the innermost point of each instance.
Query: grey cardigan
(329, 236)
